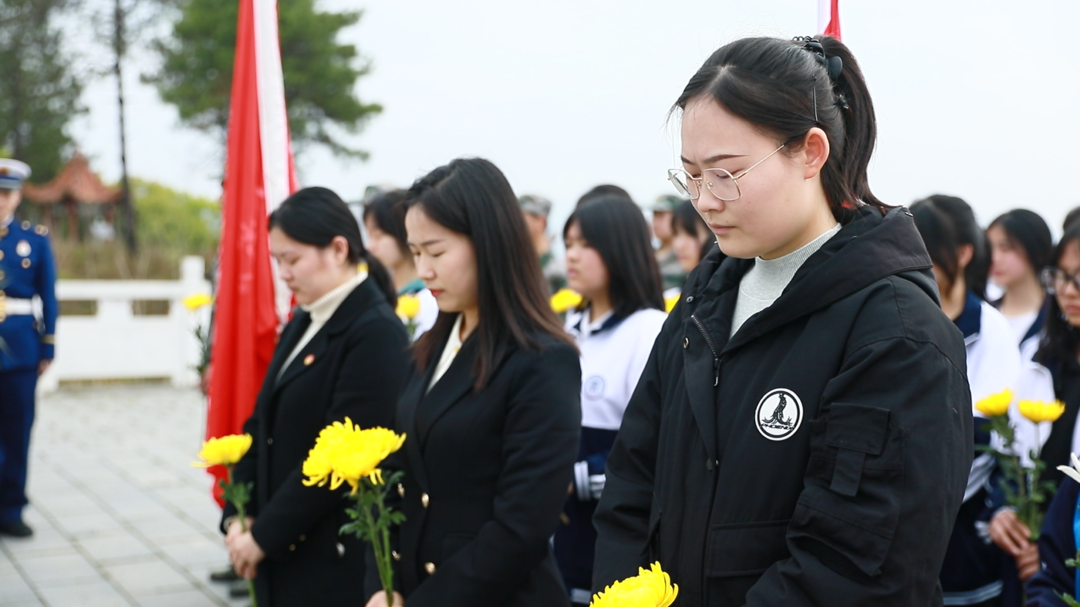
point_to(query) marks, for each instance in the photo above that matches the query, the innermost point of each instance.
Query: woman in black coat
(492, 413)
(343, 354)
(802, 432)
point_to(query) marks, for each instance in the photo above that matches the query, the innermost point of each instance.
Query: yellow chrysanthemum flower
(564, 299)
(649, 588)
(408, 306)
(344, 453)
(223, 450)
(669, 302)
(995, 404)
(197, 300)
(1041, 411)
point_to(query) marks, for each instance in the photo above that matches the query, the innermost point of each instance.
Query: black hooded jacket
(819, 456)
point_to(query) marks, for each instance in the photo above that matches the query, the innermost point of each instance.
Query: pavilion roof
(75, 181)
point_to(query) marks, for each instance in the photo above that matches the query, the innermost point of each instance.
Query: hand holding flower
(343, 453)
(1009, 533)
(245, 554)
(228, 451)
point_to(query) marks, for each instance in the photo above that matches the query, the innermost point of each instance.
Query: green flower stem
(239, 503)
(380, 543)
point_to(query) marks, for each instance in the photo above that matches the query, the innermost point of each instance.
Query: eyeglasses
(1055, 280)
(723, 185)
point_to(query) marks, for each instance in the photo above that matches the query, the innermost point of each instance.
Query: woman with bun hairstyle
(610, 262)
(802, 432)
(492, 412)
(343, 354)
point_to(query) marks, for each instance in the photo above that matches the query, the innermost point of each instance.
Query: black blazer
(355, 366)
(486, 476)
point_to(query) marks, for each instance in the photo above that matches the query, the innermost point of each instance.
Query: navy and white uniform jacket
(972, 571)
(27, 270)
(614, 352)
(1057, 544)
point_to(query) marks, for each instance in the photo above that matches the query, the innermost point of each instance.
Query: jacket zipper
(714, 477)
(709, 341)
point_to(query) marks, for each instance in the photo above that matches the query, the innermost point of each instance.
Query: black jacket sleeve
(1056, 545)
(886, 475)
(366, 390)
(622, 516)
(540, 443)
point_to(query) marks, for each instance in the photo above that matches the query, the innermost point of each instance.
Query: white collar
(587, 327)
(323, 308)
(6, 222)
(454, 343)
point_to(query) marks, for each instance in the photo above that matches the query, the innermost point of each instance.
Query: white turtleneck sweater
(766, 281)
(321, 310)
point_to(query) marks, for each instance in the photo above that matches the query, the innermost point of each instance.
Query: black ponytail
(315, 216)
(787, 87)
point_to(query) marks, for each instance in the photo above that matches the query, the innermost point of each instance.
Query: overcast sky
(976, 98)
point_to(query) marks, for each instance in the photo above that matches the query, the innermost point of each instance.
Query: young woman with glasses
(801, 434)
(610, 261)
(1059, 350)
(492, 413)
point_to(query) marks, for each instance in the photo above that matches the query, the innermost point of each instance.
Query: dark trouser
(16, 416)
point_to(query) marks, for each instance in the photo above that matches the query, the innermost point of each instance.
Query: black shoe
(16, 529)
(239, 590)
(225, 575)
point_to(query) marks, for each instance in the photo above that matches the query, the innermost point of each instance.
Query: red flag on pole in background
(829, 18)
(259, 175)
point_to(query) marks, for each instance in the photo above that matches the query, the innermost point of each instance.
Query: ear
(815, 151)
(339, 247)
(964, 254)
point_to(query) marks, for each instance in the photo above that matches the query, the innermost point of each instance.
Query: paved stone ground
(121, 518)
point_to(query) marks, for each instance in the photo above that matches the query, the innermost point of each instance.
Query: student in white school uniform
(610, 262)
(384, 221)
(989, 547)
(1021, 246)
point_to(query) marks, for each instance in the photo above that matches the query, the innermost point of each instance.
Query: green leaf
(1067, 599)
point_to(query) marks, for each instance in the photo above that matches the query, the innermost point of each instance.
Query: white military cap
(12, 174)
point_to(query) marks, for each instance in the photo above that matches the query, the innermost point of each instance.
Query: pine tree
(320, 73)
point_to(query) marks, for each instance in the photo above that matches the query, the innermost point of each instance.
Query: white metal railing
(114, 343)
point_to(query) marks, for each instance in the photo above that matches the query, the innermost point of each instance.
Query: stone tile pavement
(120, 517)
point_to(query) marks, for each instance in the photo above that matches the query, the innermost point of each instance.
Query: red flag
(258, 176)
(829, 18)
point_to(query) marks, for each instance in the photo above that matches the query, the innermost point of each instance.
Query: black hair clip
(833, 65)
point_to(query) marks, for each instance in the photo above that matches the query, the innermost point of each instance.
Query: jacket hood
(868, 249)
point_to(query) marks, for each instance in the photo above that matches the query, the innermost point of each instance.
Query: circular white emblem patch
(594, 387)
(779, 414)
